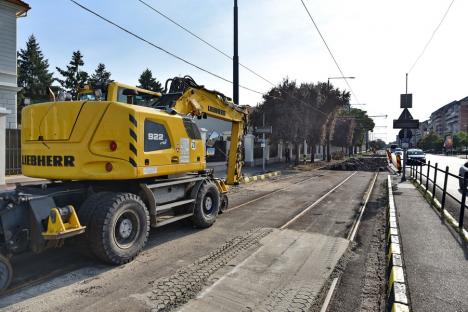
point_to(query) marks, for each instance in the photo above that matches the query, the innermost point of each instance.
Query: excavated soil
(360, 164)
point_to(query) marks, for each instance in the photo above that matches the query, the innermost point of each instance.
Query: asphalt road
(87, 285)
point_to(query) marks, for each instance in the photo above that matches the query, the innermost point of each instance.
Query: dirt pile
(360, 164)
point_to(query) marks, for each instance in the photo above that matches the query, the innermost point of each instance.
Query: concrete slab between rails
(288, 270)
(435, 256)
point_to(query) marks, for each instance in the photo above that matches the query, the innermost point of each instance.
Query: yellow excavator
(118, 161)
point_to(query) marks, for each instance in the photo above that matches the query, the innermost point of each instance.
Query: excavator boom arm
(199, 102)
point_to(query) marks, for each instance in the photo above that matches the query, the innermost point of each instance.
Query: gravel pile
(360, 164)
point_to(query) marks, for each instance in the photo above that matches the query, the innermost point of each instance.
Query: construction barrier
(397, 293)
(395, 160)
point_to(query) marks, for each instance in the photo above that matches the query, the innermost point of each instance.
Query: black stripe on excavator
(133, 135)
(130, 159)
(133, 149)
(132, 120)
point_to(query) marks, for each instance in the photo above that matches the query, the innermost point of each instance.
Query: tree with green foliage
(148, 82)
(460, 141)
(362, 123)
(100, 76)
(343, 132)
(299, 112)
(431, 142)
(377, 144)
(73, 77)
(34, 77)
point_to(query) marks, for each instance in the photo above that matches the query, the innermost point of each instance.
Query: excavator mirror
(212, 138)
(98, 94)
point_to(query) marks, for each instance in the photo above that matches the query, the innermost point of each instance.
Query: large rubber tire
(85, 215)
(206, 205)
(118, 227)
(6, 273)
(223, 206)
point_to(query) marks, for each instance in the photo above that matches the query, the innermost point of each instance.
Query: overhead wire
(203, 40)
(160, 48)
(329, 50)
(180, 58)
(431, 37)
(220, 51)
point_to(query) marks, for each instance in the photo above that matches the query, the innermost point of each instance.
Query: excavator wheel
(119, 227)
(206, 205)
(6, 273)
(223, 206)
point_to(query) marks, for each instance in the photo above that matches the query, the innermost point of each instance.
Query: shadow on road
(65, 266)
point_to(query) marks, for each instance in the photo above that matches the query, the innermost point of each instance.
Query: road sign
(405, 121)
(408, 124)
(406, 100)
(405, 145)
(405, 115)
(264, 129)
(401, 134)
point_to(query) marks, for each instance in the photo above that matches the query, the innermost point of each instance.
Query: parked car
(416, 157)
(463, 173)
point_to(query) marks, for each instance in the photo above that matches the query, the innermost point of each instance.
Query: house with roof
(10, 10)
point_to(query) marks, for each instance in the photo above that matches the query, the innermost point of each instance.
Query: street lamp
(351, 77)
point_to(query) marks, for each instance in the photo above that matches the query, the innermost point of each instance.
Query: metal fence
(13, 152)
(418, 171)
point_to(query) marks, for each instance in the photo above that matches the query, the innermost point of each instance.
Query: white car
(416, 157)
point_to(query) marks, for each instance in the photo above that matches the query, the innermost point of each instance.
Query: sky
(375, 41)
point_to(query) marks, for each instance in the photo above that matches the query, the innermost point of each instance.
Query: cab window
(142, 99)
(88, 96)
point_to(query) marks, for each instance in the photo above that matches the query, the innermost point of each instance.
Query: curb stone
(397, 290)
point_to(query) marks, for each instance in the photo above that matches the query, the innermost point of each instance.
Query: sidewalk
(435, 256)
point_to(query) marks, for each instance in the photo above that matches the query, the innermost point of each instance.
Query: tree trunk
(296, 161)
(313, 149)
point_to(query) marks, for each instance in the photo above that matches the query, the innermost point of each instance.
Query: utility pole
(235, 70)
(264, 145)
(405, 135)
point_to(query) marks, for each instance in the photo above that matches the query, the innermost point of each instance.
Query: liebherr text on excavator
(118, 161)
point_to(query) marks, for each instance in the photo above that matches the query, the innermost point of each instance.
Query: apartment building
(450, 118)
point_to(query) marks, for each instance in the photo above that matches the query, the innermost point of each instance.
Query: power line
(329, 51)
(432, 36)
(223, 53)
(160, 48)
(180, 58)
(203, 40)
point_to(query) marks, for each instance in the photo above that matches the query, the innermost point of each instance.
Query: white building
(9, 11)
